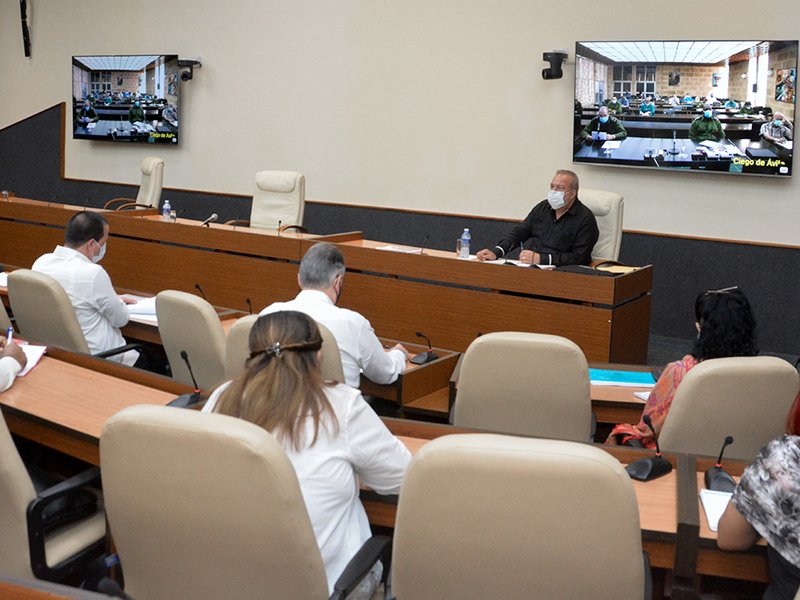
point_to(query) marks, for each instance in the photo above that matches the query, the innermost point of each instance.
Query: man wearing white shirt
(74, 265)
(12, 361)
(320, 279)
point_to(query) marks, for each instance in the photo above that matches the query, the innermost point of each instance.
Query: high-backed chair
(745, 397)
(237, 346)
(492, 516)
(608, 210)
(31, 547)
(279, 201)
(44, 313)
(189, 324)
(210, 508)
(331, 358)
(5, 322)
(525, 383)
(149, 194)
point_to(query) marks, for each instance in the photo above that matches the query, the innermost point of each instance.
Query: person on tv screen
(731, 103)
(726, 326)
(779, 130)
(647, 107)
(688, 100)
(561, 229)
(706, 127)
(87, 114)
(626, 100)
(170, 115)
(614, 106)
(604, 127)
(674, 101)
(136, 112)
(747, 109)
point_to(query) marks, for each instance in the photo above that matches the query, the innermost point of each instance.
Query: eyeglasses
(726, 290)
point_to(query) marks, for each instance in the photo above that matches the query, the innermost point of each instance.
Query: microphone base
(424, 357)
(718, 480)
(186, 400)
(647, 469)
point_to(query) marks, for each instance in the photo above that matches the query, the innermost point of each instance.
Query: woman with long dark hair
(332, 437)
(726, 327)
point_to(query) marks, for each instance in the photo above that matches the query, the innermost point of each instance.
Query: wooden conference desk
(449, 300)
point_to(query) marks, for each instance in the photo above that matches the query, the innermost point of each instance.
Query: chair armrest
(187, 400)
(114, 201)
(299, 228)
(36, 532)
(604, 263)
(238, 223)
(648, 577)
(378, 547)
(120, 350)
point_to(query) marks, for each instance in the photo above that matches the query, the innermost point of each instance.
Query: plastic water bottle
(465, 240)
(165, 211)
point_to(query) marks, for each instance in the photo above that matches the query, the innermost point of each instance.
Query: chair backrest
(237, 346)
(187, 322)
(5, 322)
(280, 196)
(525, 383)
(607, 208)
(210, 508)
(43, 311)
(152, 180)
(745, 397)
(331, 358)
(16, 492)
(492, 516)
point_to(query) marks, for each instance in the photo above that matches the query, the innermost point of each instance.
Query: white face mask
(99, 257)
(556, 199)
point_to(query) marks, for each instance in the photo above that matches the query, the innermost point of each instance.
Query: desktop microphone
(109, 587)
(249, 305)
(199, 289)
(716, 479)
(212, 219)
(424, 243)
(279, 227)
(85, 204)
(53, 199)
(235, 221)
(653, 467)
(424, 357)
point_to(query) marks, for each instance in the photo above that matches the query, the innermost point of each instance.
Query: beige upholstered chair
(5, 322)
(279, 201)
(527, 384)
(745, 397)
(237, 346)
(187, 323)
(210, 508)
(150, 189)
(53, 555)
(492, 516)
(331, 358)
(607, 208)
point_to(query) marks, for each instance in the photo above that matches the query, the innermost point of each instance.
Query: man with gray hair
(320, 279)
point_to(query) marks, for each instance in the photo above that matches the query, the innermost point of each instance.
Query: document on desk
(611, 145)
(4, 280)
(401, 249)
(621, 378)
(714, 504)
(34, 353)
(144, 310)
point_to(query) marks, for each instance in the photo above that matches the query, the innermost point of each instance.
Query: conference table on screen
(402, 292)
(65, 400)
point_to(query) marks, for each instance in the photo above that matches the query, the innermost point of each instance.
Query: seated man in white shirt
(320, 279)
(12, 361)
(74, 265)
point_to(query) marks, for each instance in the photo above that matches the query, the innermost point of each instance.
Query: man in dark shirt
(561, 229)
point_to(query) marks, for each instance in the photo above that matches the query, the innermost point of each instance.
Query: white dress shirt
(9, 367)
(99, 310)
(363, 450)
(359, 346)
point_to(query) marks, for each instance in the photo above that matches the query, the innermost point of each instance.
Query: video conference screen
(126, 98)
(720, 106)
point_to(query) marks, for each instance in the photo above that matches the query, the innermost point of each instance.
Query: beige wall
(422, 105)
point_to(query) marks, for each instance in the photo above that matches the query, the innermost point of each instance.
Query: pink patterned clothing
(657, 406)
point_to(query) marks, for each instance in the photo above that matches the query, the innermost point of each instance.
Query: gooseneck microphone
(424, 357)
(185, 357)
(716, 479)
(424, 244)
(212, 219)
(653, 467)
(187, 400)
(249, 305)
(199, 289)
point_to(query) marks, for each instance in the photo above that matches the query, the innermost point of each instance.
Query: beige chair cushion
(187, 322)
(491, 516)
(608, 210)
(237, 346)
(525, 383)
(152, 180)
(43, 311)
(205, 506)
(331, 358)
(746, 397)
(280, 196)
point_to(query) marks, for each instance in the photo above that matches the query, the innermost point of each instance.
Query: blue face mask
(707, 114)
(604, 119)
(778, 122)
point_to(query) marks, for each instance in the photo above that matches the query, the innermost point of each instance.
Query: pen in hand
(9, 335)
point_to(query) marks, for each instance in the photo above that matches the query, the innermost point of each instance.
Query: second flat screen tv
(703, 105)
(126, 98)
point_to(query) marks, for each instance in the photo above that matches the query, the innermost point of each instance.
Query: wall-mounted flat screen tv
(703, 105)
(126, 98)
